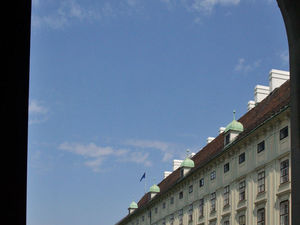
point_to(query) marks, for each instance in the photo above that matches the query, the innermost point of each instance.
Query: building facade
(240, 177)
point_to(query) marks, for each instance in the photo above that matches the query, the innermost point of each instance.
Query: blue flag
(144, 176)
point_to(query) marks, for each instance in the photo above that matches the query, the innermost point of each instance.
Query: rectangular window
(227, 139)
(226, 222)
(261, 216)
(181, 195)
(261, 182)
(242, 220)
(201, 208)
(143, 218)
(190, 219)
(155, 210)
(190, 188)
(242, 158)
(171, 219)
(213, 202)
(242, 190)
(163, 222)
(260, 146)
(171, 200)
(213, 175)
(226, 195)
(284, 213)
(180, 214)
(201, 182)
(284, 132)
(284, 171)
(226, 167)
(164, 205)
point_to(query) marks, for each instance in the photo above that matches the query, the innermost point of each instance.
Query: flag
(144, 176)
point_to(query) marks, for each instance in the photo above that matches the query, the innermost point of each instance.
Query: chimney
(176, 164)
(260, 92)
(210, 139)
(251, 105)
(277, 78)
(221, 130)
(167, 173)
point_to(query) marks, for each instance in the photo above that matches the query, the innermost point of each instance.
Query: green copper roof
(187, 163)
(133, 205)
(234, 125)
(154, 188)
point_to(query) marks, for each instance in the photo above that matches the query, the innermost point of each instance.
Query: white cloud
(37, 112)
(37, 107)
(64, 14)
(207, 6)
(244, 67)
(95, 155)
(169, 150)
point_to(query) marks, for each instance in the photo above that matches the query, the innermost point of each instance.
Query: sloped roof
(277, 100)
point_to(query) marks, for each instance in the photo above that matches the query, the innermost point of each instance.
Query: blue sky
(119, 88)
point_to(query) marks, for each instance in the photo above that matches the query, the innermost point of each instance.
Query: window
(171, 200)
(171, 219)
(226, 222)
(190, 219)
(213, 202)
(242, 189)
(190, 188)
(155, 210)
(226, 195)
(260, 146)
(261, 182)
(164, 205)
(201, 182)
(163, 222)
(261, 216)
(181, 195)
(137, 222)
(227, 139)
(226, 167)
(180, 213)
(201, 208)
(242, 158)
(213, 175)
(181, 172)
(284, 171)
(242, 220)
(284, 212)
(143, 218)
(284, 132)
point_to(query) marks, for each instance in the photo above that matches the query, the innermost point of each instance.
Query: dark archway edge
(14, 107)
(290, 10)
(14, 81)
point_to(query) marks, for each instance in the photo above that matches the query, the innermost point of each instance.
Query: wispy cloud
(66, 12)
(169, 150)
(244, 67)
(38, 112)
(95, 155)
(60, 14)
(207, 6)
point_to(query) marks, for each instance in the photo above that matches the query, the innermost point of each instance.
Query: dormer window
(232, 130)
(186, 165)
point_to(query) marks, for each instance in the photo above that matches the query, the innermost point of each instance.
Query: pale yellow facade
(195, 206)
